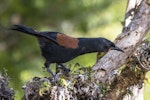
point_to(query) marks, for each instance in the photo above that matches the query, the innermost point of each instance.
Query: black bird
(59, 48)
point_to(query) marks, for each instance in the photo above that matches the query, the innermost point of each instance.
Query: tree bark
(131, 36)
(136, 26)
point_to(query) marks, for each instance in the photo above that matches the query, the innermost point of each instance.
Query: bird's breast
(58, 54)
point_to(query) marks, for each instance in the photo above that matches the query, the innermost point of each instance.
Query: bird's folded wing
(67, 41)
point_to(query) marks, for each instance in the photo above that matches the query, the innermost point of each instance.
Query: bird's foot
(54, 78)
(64, 69)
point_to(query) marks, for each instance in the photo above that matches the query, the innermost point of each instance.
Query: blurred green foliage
(20, 54)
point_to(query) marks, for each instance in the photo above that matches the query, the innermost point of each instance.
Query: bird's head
(111, 46)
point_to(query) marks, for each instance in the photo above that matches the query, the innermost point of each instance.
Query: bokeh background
(19, 53)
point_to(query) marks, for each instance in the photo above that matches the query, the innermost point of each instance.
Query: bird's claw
(66, 70)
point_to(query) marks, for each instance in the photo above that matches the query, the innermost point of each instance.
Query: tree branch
(132, 35)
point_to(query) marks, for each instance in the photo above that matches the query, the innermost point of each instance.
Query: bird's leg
(57, 68)
(67, 70)
(47, 64)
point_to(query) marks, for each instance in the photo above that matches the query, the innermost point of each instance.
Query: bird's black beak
(116, 48)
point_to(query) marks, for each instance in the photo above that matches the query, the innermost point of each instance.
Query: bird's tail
(31, 31)
(24, 29)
